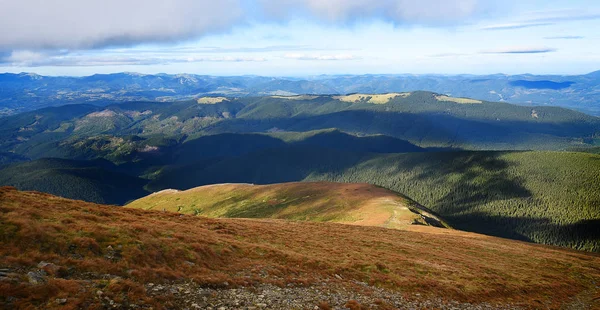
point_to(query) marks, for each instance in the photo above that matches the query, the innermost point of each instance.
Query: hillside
(420, 119)
(93, 181)
(358, 204)
(544, 197)
(61, 253)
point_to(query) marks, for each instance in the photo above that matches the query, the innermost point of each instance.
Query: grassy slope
(359, 204)
(151, 246)
(545, 197)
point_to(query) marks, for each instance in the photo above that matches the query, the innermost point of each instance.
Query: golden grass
(160, 247)
(359, 204)
(211, 100)
(371, 98)
(458, 100)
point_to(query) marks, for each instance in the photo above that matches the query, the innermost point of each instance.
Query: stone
(36, 277)
(61, 301)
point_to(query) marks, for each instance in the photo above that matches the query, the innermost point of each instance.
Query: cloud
(41, 59)
(425, 12)
(520, 50)
(567, 16)
(515, 26)
(546, 18)
(320, 57)
(81, 24)
(88, 24)
(564, 38)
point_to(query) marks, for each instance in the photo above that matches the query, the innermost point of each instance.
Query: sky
(299, 37)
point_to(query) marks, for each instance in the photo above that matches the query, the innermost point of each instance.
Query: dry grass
(211, 100)
(458, 100)
(159, 246)
(371, 98)
(359, 204)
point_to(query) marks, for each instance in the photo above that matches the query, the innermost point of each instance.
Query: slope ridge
(358, 204)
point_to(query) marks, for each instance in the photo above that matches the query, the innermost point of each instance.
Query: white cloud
(84, 24)
(57, 24)
(25, 58)
(519, 50)
(515, 26)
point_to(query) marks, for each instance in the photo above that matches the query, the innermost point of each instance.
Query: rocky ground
(325, 295)
(321, 296)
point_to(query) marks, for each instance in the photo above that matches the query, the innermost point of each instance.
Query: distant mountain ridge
(29, 91)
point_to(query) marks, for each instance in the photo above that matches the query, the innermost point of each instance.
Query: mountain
(357, 204)
(61, 253)
(421, 144)
(544, 197)
(27, 91)
(427, 120)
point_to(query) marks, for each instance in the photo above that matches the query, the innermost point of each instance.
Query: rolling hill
(357, 204)
(412, 143)
(59, 253)
(423, 119)
(544, 197)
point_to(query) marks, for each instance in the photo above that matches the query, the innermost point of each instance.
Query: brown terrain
(60, 253)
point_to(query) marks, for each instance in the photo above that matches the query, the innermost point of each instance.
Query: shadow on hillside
(583, 235)
(430, 127)
(482, 178)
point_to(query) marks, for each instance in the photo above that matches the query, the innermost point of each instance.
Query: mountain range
(29, 91)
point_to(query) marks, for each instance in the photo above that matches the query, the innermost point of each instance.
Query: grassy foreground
(89, 248)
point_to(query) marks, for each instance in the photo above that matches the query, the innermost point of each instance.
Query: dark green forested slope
(545, 197)
(94, 181)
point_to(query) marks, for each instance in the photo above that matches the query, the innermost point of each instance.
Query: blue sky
(299, 37)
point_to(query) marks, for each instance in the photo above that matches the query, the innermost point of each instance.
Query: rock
(189, 263)
(261, 305)
(99, 293)
(36, 277)
(61, 301)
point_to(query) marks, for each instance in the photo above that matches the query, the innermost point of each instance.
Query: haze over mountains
(28, 91)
